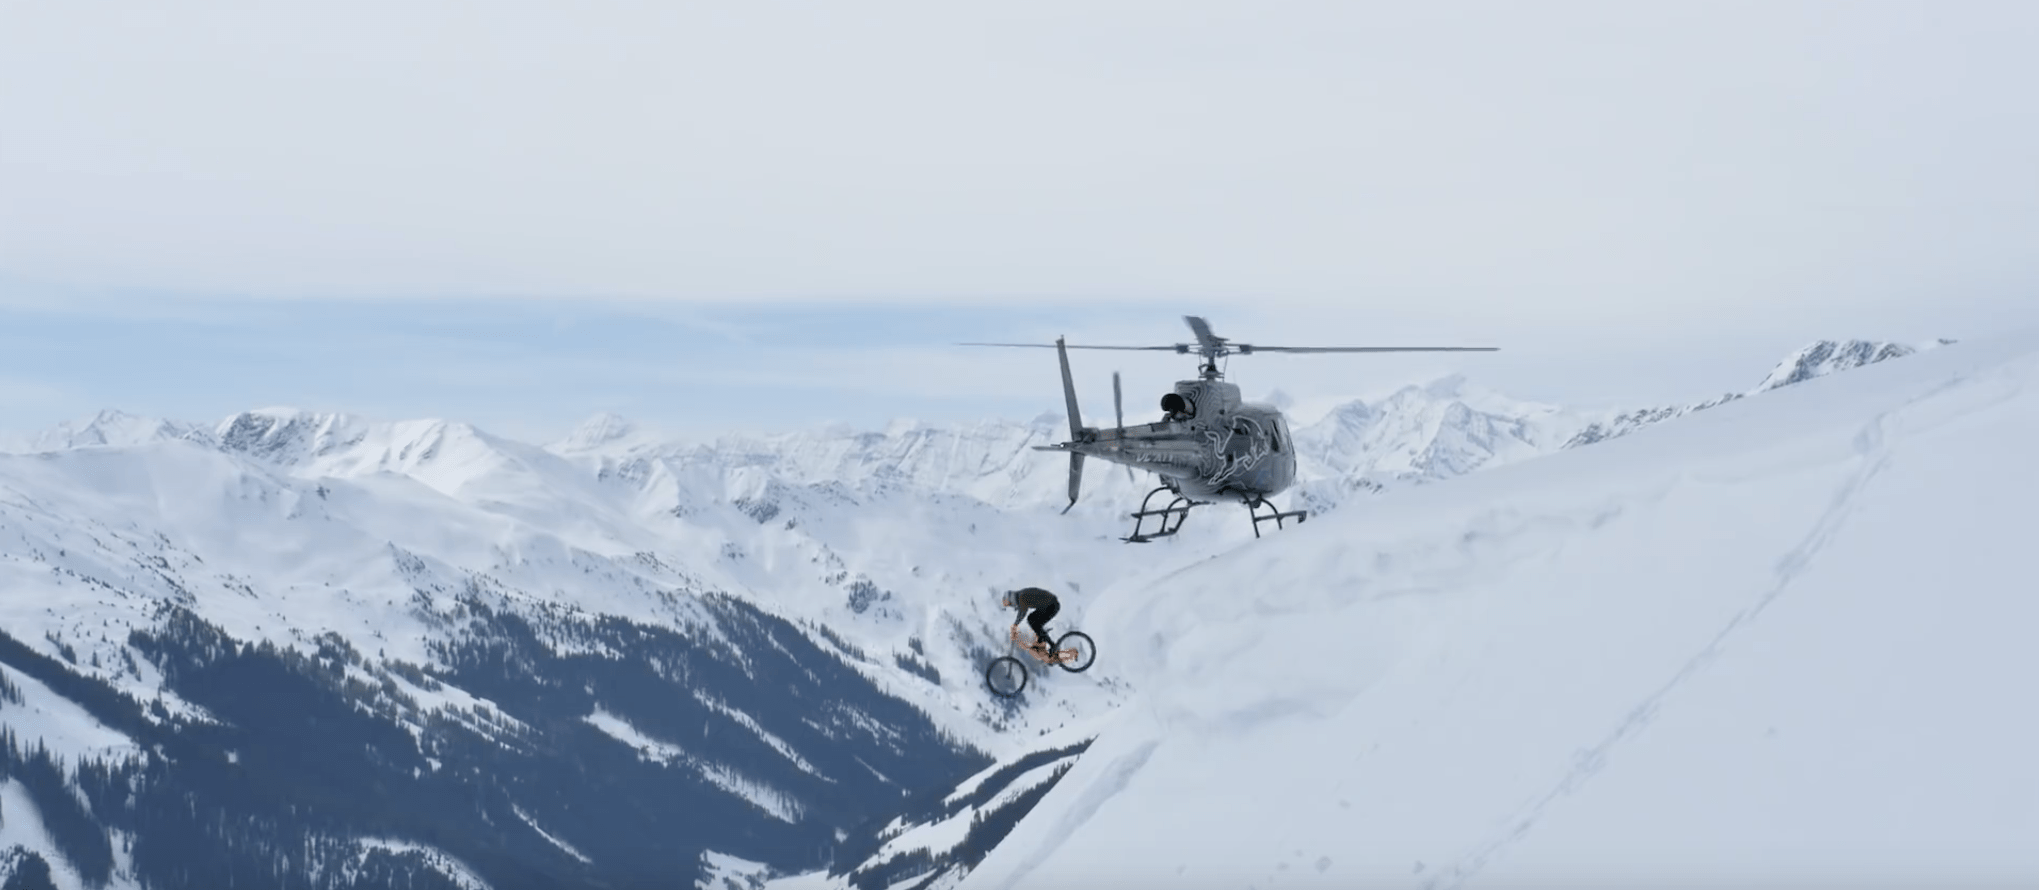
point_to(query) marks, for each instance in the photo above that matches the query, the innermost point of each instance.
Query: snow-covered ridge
(1816, 359)
(1422, 433)
(107, 428)
(1829, 356)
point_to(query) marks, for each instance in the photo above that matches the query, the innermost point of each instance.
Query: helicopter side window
(1274, 437)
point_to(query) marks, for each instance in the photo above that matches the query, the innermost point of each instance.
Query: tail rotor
(1119, 414)
(1075, 426)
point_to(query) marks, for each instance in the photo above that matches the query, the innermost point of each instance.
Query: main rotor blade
(1069, 392)
(1202, 329)
(1245, 349)
(1075, 346)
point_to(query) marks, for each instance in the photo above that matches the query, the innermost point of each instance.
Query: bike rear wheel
(1006, 675)
(1086, 652)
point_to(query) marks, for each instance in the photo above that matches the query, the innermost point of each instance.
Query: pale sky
(541, 210)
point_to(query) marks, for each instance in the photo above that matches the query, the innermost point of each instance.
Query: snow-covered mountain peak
(1354, 413)
(1443, 392)
(452, 457)
(1446, 387)
(116, 419)
(289, 436)
(605, 430)
(1823, 357)
(1424, 432)
(1441, 389)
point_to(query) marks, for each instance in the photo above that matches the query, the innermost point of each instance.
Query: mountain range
(1421, 433)
(295, 649)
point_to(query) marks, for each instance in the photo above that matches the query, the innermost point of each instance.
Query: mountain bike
(1008, 675)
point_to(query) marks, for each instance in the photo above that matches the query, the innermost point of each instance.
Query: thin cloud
(1554, 164)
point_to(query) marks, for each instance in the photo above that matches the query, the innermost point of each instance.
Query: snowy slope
(29, 708)
(1784, 642)
(345, 517)
(432, 579)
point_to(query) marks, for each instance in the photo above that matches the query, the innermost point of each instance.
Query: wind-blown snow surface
(1785, 642)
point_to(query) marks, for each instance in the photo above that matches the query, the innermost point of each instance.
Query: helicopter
(1209, 446)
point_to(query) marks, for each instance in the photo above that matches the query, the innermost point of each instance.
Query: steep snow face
(1775, 643)
(604, 430)
(287, 436)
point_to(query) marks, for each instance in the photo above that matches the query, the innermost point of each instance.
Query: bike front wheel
(1006, 676)
(1078, 642)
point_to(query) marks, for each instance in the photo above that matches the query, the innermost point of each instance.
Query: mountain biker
(1044, 606)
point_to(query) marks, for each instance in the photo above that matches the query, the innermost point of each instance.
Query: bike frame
(1035, 651)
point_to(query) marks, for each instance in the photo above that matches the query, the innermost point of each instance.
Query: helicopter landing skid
(1169, 518)
(1274, 514)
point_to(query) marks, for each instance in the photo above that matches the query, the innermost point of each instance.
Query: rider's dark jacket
(1031, 598)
